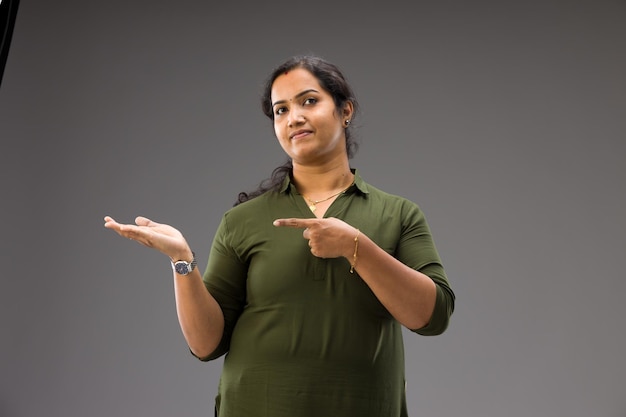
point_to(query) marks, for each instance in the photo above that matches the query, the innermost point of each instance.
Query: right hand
(161, 237)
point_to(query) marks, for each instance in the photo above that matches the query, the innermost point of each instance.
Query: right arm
(200, 316)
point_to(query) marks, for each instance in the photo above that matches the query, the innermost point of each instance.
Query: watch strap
(185, 266)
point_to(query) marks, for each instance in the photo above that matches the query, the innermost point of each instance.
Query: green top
(303, 336)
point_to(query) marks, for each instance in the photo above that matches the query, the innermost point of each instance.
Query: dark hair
(332, 81)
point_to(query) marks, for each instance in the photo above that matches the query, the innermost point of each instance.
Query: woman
(311, 276)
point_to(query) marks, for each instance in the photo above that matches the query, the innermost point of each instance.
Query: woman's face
(306, 121)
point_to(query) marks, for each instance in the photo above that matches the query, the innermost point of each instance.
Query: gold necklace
(313, 203)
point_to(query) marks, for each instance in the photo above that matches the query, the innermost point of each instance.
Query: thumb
(143, 221)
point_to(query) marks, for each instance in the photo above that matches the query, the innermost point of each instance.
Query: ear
(347, 111)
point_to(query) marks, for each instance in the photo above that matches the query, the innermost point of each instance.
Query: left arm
(411, 299)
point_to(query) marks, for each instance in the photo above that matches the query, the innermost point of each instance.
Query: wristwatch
(184, 267)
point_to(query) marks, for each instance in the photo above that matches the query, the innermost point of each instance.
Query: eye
(279, 110)
(310, 100)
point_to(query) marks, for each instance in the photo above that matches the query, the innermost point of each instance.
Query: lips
(298, 134)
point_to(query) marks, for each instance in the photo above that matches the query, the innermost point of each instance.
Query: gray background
(504, 120)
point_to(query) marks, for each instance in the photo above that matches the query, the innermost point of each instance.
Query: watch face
(181, 268)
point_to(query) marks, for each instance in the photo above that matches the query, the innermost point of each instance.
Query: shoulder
(255, 204)
(376, 195)
(246, 223)
(389, 208)
(373, 193)
(254, 212)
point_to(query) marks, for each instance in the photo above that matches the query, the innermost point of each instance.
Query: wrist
(355, 251)
(185, 255)
(184, 267)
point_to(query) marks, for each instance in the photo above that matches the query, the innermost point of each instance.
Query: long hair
(333, 82)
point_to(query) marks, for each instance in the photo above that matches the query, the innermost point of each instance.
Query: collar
(360, 185)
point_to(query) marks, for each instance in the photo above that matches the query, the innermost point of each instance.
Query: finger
(143, 221)
(110, 223)
(297, 223)
(126, 230)
(129, 231)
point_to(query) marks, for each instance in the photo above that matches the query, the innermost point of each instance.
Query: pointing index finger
(297, 223)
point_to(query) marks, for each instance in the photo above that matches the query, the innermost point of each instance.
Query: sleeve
(225, 278)
(417, 250)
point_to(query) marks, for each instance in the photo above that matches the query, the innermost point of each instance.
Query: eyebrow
(310, 90)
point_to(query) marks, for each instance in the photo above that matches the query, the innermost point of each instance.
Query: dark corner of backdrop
(8, 12)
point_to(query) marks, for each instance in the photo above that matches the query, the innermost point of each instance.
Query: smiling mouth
(300, 134)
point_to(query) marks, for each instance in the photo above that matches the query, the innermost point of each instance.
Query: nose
(295, 117)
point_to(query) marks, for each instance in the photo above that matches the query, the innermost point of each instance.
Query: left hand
(328, 238)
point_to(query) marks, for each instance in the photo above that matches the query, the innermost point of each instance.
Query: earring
(347, 122)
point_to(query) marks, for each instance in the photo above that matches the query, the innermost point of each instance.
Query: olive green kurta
(304, 336)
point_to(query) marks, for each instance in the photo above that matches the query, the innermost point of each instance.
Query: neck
(320, 181)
